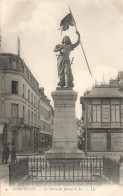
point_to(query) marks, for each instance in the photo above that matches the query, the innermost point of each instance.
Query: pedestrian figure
(6, 153)
(13, 154)
(3, 154)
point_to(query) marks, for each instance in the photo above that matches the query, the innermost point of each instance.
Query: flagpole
(81, 43)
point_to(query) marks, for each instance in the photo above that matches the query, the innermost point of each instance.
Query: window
(42, 125)
(2, 84)
(23, 112)
(105, 113)
(32, 117)
(38, 120)
(96, 113)
(32, 98)
(14, 65)
(23, 90)
(31, 78)
(38, 103)
(34, 101)
(121, 113)
(27, 73)
(48, 114)
(2, 109)
(14, 110)
(115, 113)
(89, 113)
(28, 115)
(28, 95)
(14, 87)
(22, 68)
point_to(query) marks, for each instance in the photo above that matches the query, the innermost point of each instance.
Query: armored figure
(63, 61)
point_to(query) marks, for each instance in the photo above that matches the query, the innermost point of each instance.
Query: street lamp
(85, 119)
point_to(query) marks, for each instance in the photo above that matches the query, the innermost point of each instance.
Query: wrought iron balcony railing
(16, 121)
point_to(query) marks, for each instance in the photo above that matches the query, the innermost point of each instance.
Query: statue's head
(66, 40)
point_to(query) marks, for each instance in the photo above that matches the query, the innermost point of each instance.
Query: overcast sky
(36, 22)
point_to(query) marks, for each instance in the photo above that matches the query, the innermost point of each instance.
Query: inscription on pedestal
(64, 143)
(98, 142)
(68, 102)
(116, 141)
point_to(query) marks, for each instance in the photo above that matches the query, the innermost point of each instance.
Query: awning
(45, 132)
(1, 129)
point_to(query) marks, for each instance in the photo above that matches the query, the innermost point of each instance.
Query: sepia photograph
(61, 97)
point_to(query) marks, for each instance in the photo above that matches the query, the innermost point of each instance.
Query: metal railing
(16, 121)
(84, 171)
(70, 171)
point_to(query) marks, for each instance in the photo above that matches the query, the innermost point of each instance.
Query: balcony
(16, 121)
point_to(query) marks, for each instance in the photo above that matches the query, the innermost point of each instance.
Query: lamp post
(85, 105)
(86, 135)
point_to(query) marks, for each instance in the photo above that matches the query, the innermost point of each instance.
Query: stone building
(26, 116)
(102, 111)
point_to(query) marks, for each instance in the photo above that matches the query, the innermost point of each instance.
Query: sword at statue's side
(80, 43)
(72, 61)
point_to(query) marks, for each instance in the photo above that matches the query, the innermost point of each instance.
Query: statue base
(64, 145)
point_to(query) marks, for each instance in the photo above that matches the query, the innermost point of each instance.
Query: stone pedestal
(64, 145)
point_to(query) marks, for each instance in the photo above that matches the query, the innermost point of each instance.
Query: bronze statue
(63, 61)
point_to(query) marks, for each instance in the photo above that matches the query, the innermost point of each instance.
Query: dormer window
(14, 65)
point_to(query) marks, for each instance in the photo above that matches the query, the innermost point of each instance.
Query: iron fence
(16, 121)
(82, 171)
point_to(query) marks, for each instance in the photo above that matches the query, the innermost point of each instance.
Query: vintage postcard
(61, 97)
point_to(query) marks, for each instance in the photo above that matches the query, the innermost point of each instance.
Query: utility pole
(86, 142)
(18, 46)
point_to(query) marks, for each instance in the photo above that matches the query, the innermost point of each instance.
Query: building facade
(102, 111)
(26, 115)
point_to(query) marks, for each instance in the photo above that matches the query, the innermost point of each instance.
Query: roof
(99, 92)
(8, 54)
(120, 74)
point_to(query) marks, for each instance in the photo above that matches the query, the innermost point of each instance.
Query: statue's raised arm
(77, 43)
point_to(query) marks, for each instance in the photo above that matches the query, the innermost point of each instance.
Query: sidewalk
(4, 168)
(4, 174)
(27, 154)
